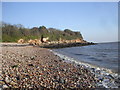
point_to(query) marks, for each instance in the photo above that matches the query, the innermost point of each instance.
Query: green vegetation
(12, 33)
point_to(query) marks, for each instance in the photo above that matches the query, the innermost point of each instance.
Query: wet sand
(34, 67)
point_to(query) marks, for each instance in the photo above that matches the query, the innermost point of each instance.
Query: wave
(99, 72)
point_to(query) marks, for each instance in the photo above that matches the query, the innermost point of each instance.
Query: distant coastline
(110, 42)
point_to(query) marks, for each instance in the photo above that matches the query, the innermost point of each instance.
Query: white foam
(103, 72)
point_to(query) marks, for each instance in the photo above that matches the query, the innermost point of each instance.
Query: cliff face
(12, 33)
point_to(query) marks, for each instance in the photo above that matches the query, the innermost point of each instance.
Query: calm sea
(102, 54)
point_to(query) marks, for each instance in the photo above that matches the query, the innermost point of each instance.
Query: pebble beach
(35, 67)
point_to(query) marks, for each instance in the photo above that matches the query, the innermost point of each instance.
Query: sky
(97, 21)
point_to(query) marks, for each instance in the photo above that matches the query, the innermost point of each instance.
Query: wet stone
(93, 69)
(111, 76)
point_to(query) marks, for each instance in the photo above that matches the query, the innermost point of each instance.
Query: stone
(7, 79)
(32, 58)
(18, 77)
(5, 86)
(1, 82)
(111, 76)
(30, 64)
(62, 81)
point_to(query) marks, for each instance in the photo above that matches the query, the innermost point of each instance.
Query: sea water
(103, 55)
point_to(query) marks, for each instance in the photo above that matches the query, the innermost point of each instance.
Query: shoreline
(50, 46)
(71, 59)
(106, 77)
(66, 45)
(47, 59)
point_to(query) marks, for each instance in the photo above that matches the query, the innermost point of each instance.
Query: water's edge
(106, 78)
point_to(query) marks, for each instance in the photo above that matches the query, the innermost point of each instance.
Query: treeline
(12, 33)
